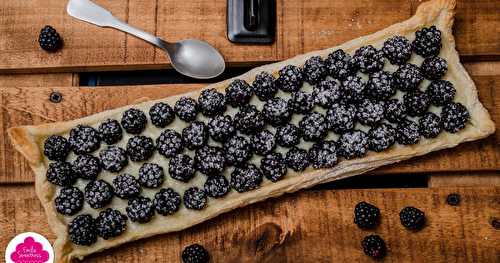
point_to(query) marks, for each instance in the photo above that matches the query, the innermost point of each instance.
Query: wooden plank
(469, 179)
(301, 26)
(39, 80)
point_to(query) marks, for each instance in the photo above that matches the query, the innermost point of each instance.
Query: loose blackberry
(126, 186)
(397, 50)
(195, 254)
(248, 120)
(430, 125)
(326, 93)
(323, 154)
(427, 41)
(297, 159)
(353, 144)
(407, 77)
(434, 67)
(161, 114)
(313, 127)
(407, 133)
(61, 173)
(441, 92)
(211, 102)
(374, 246)
(216, 186)
(84, 139)
(353, 88)
(288, 135)
(238, 93)
(221, 128)
(290, 78)
(140, 209)
(246, 178)
(195, 198)
(301, 102)
(273, 166)
(69, 201)
(98, 194)
(181, 167)
(237, 150)
(82, 230)
(340, 65)
(186, 109)
(49, 40)
(56, 148)
(151, 175)
(380, 86)
(369, 59)
(110, 223)
(381, 137)
(366, 216)
(167, 201)
(314, 70)
(454, 117)
(370, 112)
(140, 148)
(169, 143)
(264, 86)
(209, 160)
(113, 159)
(416, 103)
(111, 131)
(134, 121)
(276, 112)
(262, 142)
(341, 117)
(195, 135)
(412, 218)
(87, 166)
(395, 111)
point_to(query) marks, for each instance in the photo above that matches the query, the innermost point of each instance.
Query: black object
(453, 199)
(251, 21)
(55, 97)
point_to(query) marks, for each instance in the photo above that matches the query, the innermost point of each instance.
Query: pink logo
(29, 251)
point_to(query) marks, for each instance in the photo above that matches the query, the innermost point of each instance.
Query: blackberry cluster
(86, 166)
(313, 126)
(368, 59)
(416, 102)
(263, 142)
(397, 50)
(161, 114)
(248, 120)
(276, 112)
(297, 159)
(434, 67)
(412, 218)
(273, 166)
(427, 41)
(395, 111)
(140, 209)
(238, 93)
(340, 65)
(264, 86)
(290, 78)
(288, 135)
(69, 201)
(381, 137)
(49, 40)
(110, 223)
(216, 186)
(134, 121)
(151, 175)
(353, 88)
(126, 186)
(195, 135)
(98, 194)
(209, 160)
(237, 150)
(221, 128)
(323, 154)
(169, 143)
(407, 77)
(113, 159)
(246, 178)
(61, 173)
(186, 109)
(195, 254)
(56, 148)
(140, 148)
(353, 144)
(211, 102)
(407, 132)
(454, 117)
(441, 92)
(195, 198)
(167, 201)
(366, 216)
(341, 117)
(84, 139)
(380, 86)
(430, 125)
(326, 93)
(314, 70)
(370, 112)
(301, 102)
(82, 230)
(374, 246)
(111, 131)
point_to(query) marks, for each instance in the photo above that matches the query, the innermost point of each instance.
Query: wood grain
(38, 80)
(464, 179)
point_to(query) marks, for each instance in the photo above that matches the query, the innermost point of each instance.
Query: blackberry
(248, 120)
(211, 102)
(151, 175)
(326, 93)
(111, 131)
(49, 40)
(98, 194)
(381, 137)
(370, 112)
(113, 159)
(301, 102)
(181, 167)
(237, 150)
(140, 209)
(56, 148)
(290, 78)
(221, 128)
(264, 86)
(238, 93)
(186, 109)
(353, 88)
(82, 230)
(126, 186)
(134, 121)
(430, 125)
(454, 117)
(412, 218)
(262, 142)
(353, 144)
(195, 135)
(288, 135)
(441, 92)
(195, 198)
(340, 65)
(216, 186)
(246, 178)
(167, 201)
(61, 173)
(209, 160)
(140, 148)
(84, 139)
(195, 254)
(323, 154)
(314, 70)
(110, 223)
(397, 50)
(313, 126)
(297, 159)
(161, 114)
(395, 111)
(407, 133)
(434, 67)
(368, 59)
(380, 86)
(341, 117)
(169, 143)
(416, 103)
(427, 41)
(69, 201)
(374, 246)
(276, 112)
(87, 166)
(407, 77)
(273, 166)
(366, 216)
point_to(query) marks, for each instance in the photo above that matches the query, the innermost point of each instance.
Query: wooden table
(309, 226)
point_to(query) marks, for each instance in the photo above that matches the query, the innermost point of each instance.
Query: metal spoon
(191, 57)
